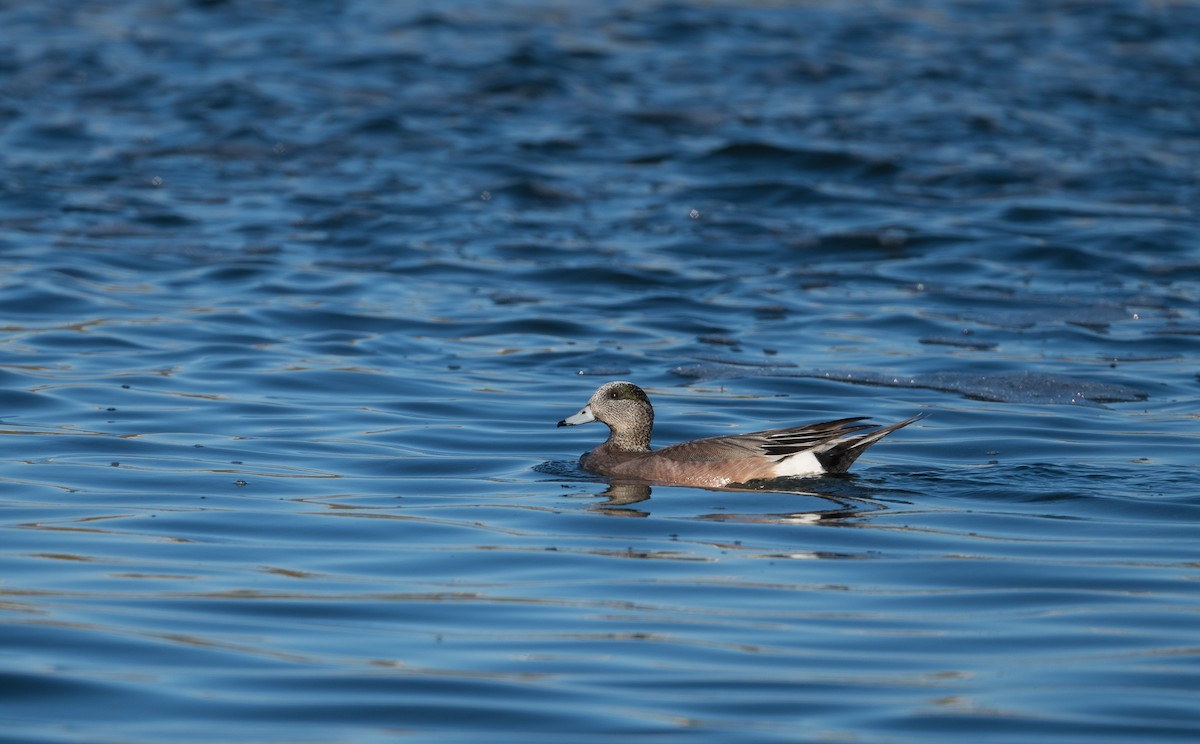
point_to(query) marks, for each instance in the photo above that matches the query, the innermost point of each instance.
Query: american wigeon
(828, 447)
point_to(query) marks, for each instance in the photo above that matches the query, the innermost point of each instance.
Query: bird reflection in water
(845, 501)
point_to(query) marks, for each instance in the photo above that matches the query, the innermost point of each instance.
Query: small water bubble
(239, 483)
(694, 214)
(892, 237)
(279, 148)
(486, 196)
(157, 181)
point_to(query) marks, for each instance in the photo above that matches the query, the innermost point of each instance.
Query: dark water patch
(962, 343)
(770, 159)
(1178, 331)
(1026, 387)
(762, 193)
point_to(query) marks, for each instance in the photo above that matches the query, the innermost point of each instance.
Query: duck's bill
(583, 417)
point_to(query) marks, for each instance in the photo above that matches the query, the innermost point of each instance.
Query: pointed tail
(839, 457)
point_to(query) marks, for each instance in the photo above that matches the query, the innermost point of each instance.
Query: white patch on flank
(799, 464)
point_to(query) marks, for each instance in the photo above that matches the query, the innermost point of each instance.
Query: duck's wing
(835, 444)
(792, 441)
(772, 443)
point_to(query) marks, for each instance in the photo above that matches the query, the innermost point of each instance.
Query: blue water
(292, 296)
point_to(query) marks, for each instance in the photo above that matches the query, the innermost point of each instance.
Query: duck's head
(624, 408)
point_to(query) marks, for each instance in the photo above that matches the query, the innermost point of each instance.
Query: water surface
(292, 298)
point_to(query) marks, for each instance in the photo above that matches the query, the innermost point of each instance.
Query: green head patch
(627, 391)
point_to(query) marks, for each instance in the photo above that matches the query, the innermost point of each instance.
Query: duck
(716, 462)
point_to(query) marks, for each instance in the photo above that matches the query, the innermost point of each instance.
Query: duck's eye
(613, 394)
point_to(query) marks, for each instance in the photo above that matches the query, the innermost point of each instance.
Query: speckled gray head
(624, 408)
